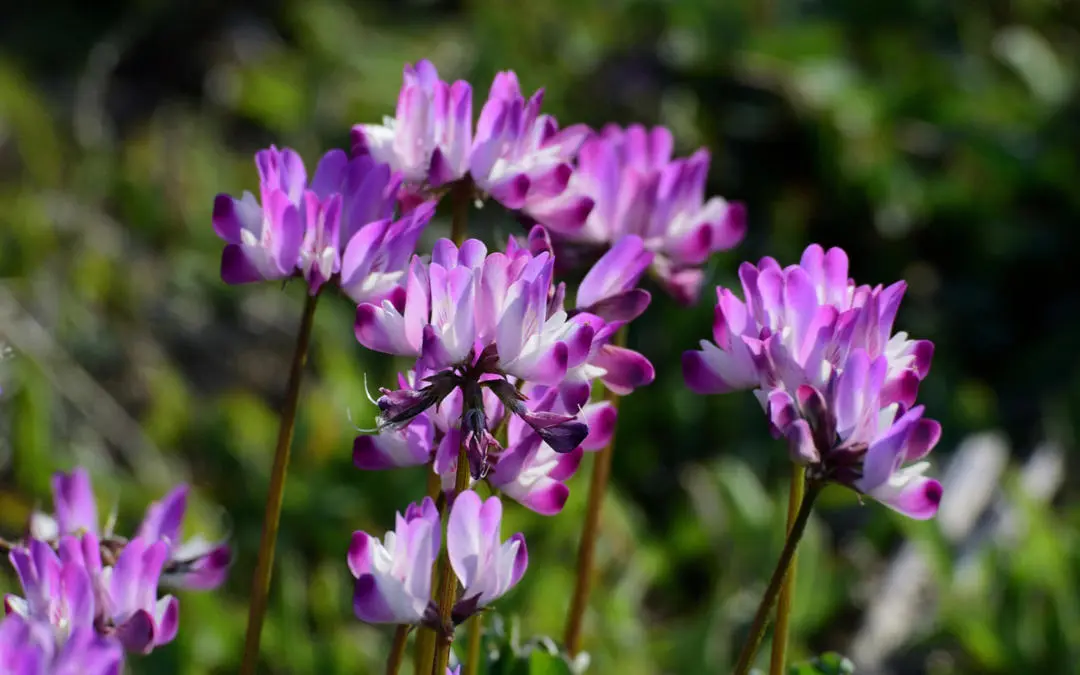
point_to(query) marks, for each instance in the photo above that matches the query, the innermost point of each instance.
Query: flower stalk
(787, 591)
(448, 581)
(591, 530)
(260, 589)
(397, 650)
(761, 617)
(472, 657)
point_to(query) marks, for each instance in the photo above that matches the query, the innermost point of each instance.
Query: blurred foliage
(935, 142)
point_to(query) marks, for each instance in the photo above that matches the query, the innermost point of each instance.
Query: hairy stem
(260, 587)
(397, 650)
(590, 531)
(761, 618)
(783, 607)
(448, 580)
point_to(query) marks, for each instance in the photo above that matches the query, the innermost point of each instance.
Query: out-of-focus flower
(518, 156)
(58, 594)
(393, 576)
(845, 433)
(195, 564)
(337, 228)
(474, 320)
(817, 349)
(487, 566)
(637, 188)
(30, 648)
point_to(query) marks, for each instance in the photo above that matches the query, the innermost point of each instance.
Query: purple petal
(73, 496)
(164, 518)
(166, 620)
(237, 268)
(369, 604)
(136, 633)
(626, 369)
(601, 418)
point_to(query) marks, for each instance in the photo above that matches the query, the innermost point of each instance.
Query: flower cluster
(89, 594)
(393, 576)
(504, 358)
(819, 352)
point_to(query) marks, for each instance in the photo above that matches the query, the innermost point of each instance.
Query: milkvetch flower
(486, 566)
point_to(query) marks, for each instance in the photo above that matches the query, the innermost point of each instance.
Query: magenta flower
(393, 576)
(846, 434)
(486, 566)
(59, 594)
(639, 189)
(798, 324)
(818, 352)
(126, 590)
(474, 320)
(195, 564)
(335, 228)
(30, 648)
(518, 156)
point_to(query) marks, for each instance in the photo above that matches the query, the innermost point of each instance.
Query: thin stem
(424, 645)
(461, 194)
(476, 633)
(448, 581)
(260, 588)
(761, 618)
(787, 591)
(590, 530)
(397, 650)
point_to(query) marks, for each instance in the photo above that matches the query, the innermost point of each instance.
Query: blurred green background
(936, 142)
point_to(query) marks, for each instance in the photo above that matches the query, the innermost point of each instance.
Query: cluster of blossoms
(89, 594)
(501, 387)
(819, 353)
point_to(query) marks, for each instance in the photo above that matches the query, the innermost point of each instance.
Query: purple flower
(465, 303)
(60, 594)
(798, 324)
(518, 156)
(337, 227)
(430, 138)
(127, 604)
(847, 435)
(817, 349)
(486, 566)
(393, 576)
(29, 648)
(195, 563)
(639, 189)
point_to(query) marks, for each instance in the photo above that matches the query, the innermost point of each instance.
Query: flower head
(817, 349)
(393, 576)
(195, 563)
(639, 189)
(336, 227)
(518, 156)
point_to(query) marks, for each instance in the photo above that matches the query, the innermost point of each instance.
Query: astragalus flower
(60, 594)
(518, 156)
(847, 433)
(337, 227)
(472, 320)
(637, 188)
(818, 352)
(195, 564)
(393, 576)
(486, 566)
(30, 648)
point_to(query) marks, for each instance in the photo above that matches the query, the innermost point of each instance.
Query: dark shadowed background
(936, 142)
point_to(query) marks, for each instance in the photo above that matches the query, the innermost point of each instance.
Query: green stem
(761, 618)
(424, 645)
(787, 591)
(461, 194)
(590, 531)
(448, 582)
(260, 588)
(397, 650)
(476, 632)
